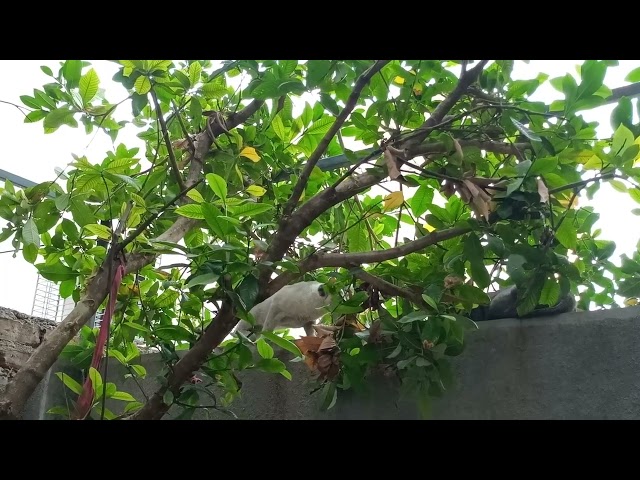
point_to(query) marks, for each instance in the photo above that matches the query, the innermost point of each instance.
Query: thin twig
(167, 141)
(324, 143)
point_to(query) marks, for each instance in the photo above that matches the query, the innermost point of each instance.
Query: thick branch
(389, 288)
(309, 211)
(630, 91)
(490, 146)
(23, 384)
(466, 79)
(350, 260)
(324, 143)
(215, 333)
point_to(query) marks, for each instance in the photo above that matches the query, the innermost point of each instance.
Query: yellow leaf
(250, 153)
(630, 302)
(417, 90)
(429, 228)
(393, 200)
(256, 190)
(565, 202)
(594, 163)
(399, 80)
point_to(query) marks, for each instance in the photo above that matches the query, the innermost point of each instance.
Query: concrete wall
(573, 366)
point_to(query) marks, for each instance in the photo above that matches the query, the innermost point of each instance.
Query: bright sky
(31, 154)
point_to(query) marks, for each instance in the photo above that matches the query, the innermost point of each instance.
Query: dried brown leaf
(543, 191)
(392, 165)
(328, 343)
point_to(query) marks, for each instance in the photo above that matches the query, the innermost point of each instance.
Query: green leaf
(250, 209)
(142, 85)
(279, 128)
(191, 211)
(321, 126)
(248, 290)
(402, 364)
(124, 396)
(213, 90)
(58, 117)
(329, 103)
(622, 139)
(140, 370)
(282, 343)
(96, 379)
(472, 294)
(167, 299)
(100, 231)
(167, 398)
(622, 114)
(174, 332)
(544, 165)
(634, 193)
(58, 410)
(592, 75)
(89, 86)
(30, 252)
(67, 287)
(525, 131)
(475, 255)
(329, 396)
(550, 292)
(414, 316)
(567, 234)
(633, 76)
(430, 301)
(135, 326)
(30, 233)
(358, 239)
(271, 365)
(57, 272)
(264, 349)
(219, 226)
(421, 200)
(204, 279)
(70, 383)
(217, 184)
(396, 351)
(194, 73)
(72, 71)
(35, 116)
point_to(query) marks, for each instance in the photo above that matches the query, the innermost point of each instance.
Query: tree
(480, 182)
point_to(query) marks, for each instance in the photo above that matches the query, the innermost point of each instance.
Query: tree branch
(350, 260)
(167, 141)
(389, 288)
(324, 143)
(630, 91)
(308, 212)
(214, 334)
(490, 146)
(443, 108)
(23, 384)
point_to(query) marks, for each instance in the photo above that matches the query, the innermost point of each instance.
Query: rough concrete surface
(581, 365)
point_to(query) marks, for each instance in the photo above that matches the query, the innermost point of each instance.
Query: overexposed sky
(29, 153)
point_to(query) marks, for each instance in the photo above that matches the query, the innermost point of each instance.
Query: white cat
(293, 306)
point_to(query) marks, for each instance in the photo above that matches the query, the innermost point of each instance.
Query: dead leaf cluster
(321, 353)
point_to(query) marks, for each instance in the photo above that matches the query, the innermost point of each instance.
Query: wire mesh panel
(46, 300)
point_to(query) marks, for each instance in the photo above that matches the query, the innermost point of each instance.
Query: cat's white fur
(293, 306)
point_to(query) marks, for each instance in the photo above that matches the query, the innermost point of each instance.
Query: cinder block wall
(582, 365)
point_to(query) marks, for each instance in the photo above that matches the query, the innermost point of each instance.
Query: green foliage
(525, 230)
